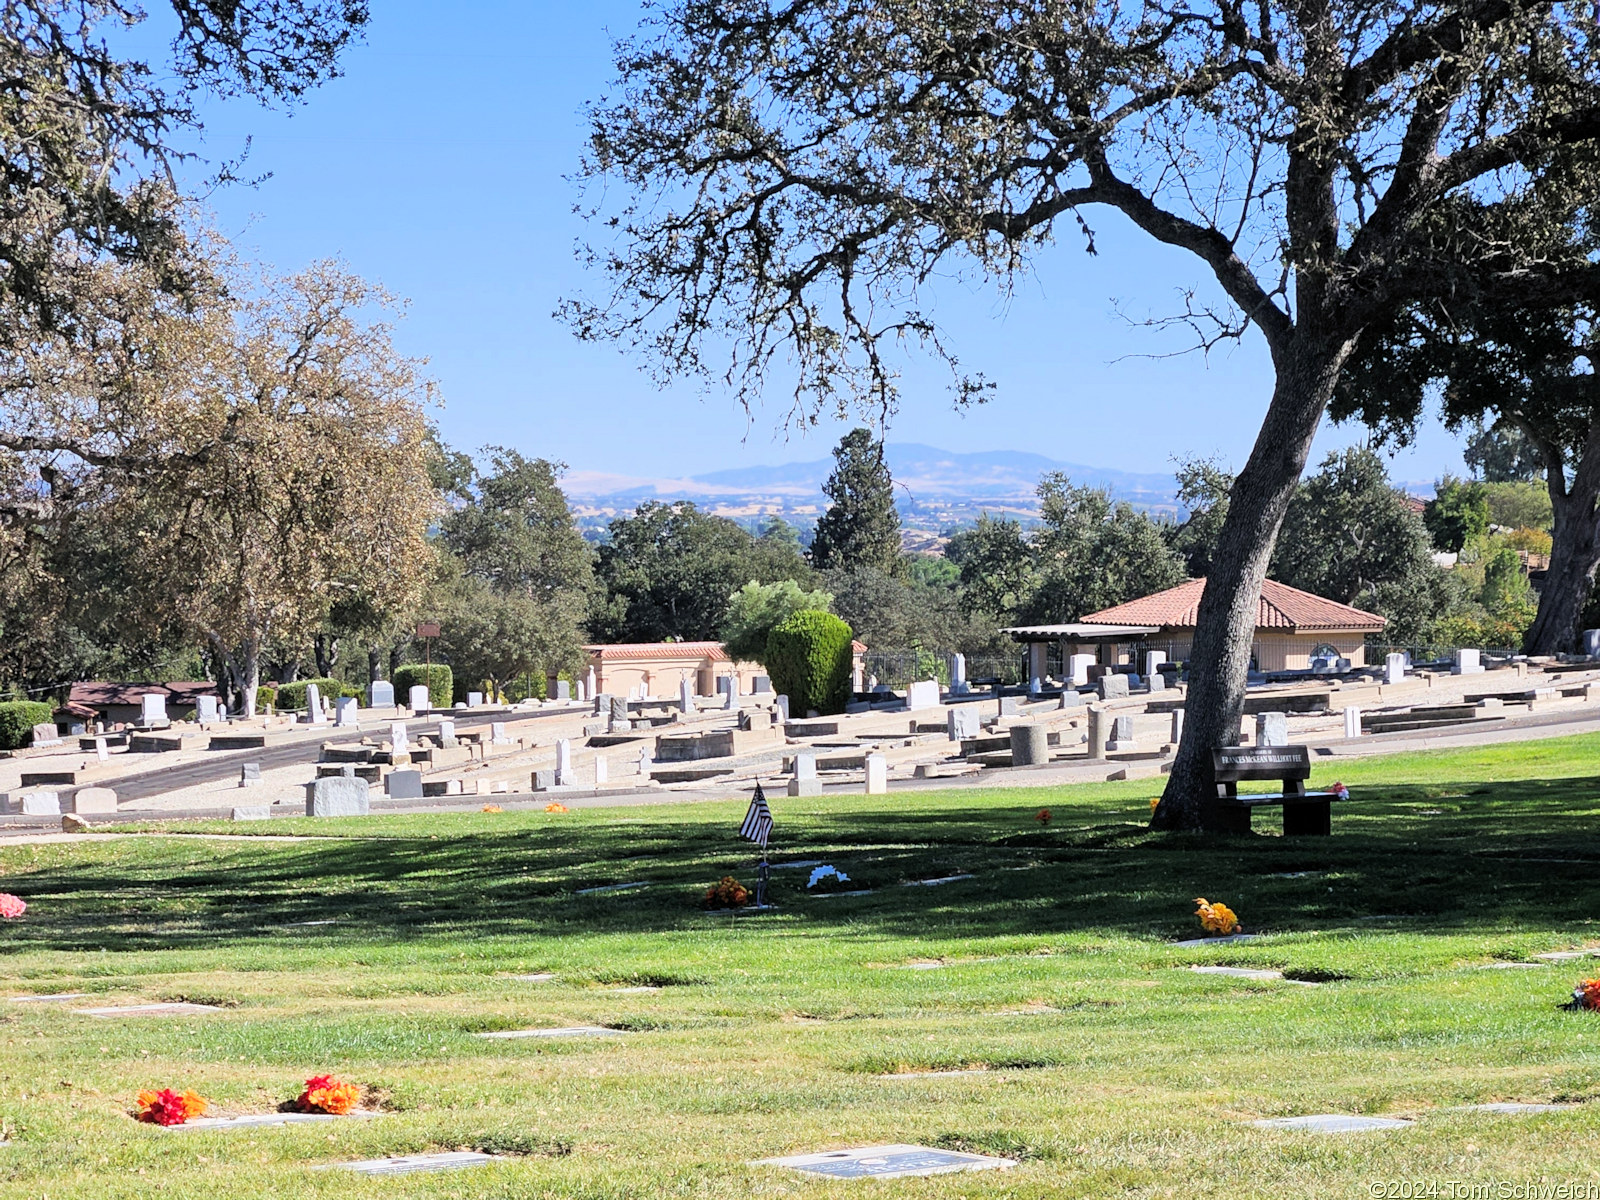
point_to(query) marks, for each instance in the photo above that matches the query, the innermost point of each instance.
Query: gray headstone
(958, 675)
(1331, 1123)
(205, 709)
(543, 781)
(888, 1162)
(1009, 706)
(403, 785)
(415, 1164)
(1072, 699)
(686, 695)
(447, 733)
(1591, 642)
(1272, 729)
(337, 796)
(729, 688)
(1030, 745)
(563, 689)
(760, 684)
(418, 699)
(1122, 734)
(380, 694)
(251, 812)
(1099, 731)
(782, 705)
(963, 721)
(94, 800)
(314, 710)
(619, 708)
(250, 775)
(1177, 726)
(1113, 686)
(46, 734)
(1158, 681)
(152, 708)
(344, 712)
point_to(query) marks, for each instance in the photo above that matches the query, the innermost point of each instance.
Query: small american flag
(758, 821)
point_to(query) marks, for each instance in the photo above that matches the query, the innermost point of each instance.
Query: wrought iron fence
(898, 668)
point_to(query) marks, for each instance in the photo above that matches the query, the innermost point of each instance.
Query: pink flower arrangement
(1339, 790)
(12, 907)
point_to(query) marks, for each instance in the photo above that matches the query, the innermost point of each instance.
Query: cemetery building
(1291, 627)
(657, 668)
(116, 703)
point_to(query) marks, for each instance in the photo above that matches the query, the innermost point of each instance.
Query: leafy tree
(669, 569)
(861, 527)
(757, 608)
(997, 572)
(899, 611)
(1203, 487)
(1501, 453)
(1350, 536)
(1519, 505)
(1458, 512)
(784, 177)
(1093, 553)
(493, 636)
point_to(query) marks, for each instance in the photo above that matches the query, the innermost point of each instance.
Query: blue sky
(439, 165)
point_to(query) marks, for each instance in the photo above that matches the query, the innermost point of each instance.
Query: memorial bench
(1305, 814)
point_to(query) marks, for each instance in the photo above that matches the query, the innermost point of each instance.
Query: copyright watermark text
(1481, 1189)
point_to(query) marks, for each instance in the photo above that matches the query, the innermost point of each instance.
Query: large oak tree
(780, 179)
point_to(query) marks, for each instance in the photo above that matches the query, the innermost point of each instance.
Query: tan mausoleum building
(1292, 627)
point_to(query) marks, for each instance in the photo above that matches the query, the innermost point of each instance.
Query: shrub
(292, 696)
(17, 719)
(441, 686)
(266, 693)
(808, 658)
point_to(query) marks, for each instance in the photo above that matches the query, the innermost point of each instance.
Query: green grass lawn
(1100, 1061)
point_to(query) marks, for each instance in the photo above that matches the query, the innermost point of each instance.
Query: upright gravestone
(588, 684)
(877, 774)
(447, 733)
(781, 703)
(963, 721)
(958, 675)
(1078, 669)
(686, 696)
(1113, 686)
(45, 734)
(1072, 699)
(564, 762)
(101, 750)
(761, 685)
(498, 735)
(1468, 662)
(922, 694)
(250, 775)
(337, 796)
(380, 694)
(474, 699)
(419, 699)
(1153, 660)
(344, 712)
(1030, 745)
(803, 781)
(1591, 643)
(1158, 681)
(1394, 668)
(1176, 735)
(563, 690)
(1009, 706)
(152, 710)
(403, 785)
(1035, 686)
(728, 689)
(1099, 731)
(857, 683)
(314, 710)
(1272, 729)
(1352, 722)
(1122, 735)
(645, 761)
(399, 743)
(205, 709)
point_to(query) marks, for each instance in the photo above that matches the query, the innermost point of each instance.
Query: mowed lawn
(1092, 1053)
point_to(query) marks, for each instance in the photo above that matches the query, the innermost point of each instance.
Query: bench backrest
(1232, 764)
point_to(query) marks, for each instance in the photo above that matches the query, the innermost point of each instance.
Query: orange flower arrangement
(1042, 816)
(555, 806)
(324, 1093)
(168, 1107)
(727, 893)
(491, 808)
(1216, 918)
(1155, 803)
(1587, 995)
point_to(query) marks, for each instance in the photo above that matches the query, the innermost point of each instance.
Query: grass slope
(1100, 1061)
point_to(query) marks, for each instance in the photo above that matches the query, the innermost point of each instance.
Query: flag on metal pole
(757, 825)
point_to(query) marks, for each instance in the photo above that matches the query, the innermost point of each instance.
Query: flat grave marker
(564, 1031)
(258, 1120)
(1216, 941)
(1511, 966)
(610, 887)
(1511, 1108)
(887, 1162)
(536, 977)
(174, 1009)
(1564, 955)
(936, 882)
(1332, 1123)
(634, 991)
(415, 1164)
(1238, 972)
(52, 998)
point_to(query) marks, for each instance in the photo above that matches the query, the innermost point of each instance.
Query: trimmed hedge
(809, 660)
(17, 719)
(291, 697)
(441, 687)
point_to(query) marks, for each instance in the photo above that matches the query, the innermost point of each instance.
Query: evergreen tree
(861, 527)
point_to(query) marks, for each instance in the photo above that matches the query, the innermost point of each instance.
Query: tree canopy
(861, 527)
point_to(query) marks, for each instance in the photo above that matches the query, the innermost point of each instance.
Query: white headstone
(803, 781)
(923, 694)
(474, 699)
(344, 712)
(1177, 726)
(498, 735)
(877, 774)
(398, 741)
(314, 710)
(205, 709)
(588, 685)
(602, 774)
(1468, 662)
(419, 699)
(728, 686)
(380, 694)
(1591, 643)
(685, 696)
(447, 733)
(250, 775)
(1035, 686)
(1272, 729)
(963, 721)
(1352, 722)
(152, 709)
(563, 689)
(1078, 669)
(1153, 660)
(1122, 734)
(645, 761)
(958, 675)
(101, 750)
(1394, 669)
(564, 762)
(781, 703)
(857, 683)
(94, 800)
(35, 804)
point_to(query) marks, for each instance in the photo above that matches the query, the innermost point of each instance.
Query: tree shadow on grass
(1441, 857)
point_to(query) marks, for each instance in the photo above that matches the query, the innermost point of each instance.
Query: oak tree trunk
(1574, 549)
(1220, 657)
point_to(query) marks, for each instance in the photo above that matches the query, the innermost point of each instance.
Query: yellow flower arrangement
(1216, 918)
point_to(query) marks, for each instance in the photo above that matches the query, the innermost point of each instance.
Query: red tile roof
(636, 650)
(1282, 607)
(98, 695)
